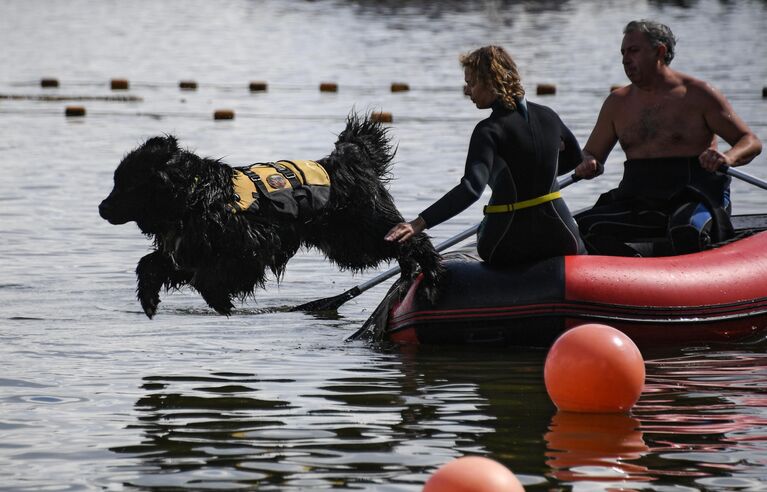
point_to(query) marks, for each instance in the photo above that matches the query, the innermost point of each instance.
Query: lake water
(94, 396)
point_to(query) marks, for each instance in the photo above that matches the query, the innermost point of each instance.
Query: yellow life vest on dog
(294, 188)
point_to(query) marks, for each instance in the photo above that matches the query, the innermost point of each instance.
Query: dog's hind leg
(216, 293)
(154, 271)
(219, 301)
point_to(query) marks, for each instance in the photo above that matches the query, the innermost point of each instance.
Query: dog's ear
(167, 144)
(157, 152)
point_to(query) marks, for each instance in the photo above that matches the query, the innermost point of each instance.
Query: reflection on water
(217, 430)
(390, 424)
(704, 413)
(394, 421)
(595, 447)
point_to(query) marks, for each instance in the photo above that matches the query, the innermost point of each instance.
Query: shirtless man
(667, 124)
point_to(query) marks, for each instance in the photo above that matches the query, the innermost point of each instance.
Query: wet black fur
(181, 201)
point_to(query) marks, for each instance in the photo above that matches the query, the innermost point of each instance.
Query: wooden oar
(331, 303)
(745, 177)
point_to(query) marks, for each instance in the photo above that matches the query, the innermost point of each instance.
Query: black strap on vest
(289, 175)
(256, 179)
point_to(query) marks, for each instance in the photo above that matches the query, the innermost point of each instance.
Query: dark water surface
(94, 396)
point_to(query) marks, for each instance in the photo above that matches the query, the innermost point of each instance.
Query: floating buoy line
(56, 98)
(227, 114)
(118, 85)
(230, 114)
(189, 85)
(121, 84)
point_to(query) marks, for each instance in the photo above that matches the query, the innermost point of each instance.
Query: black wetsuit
(671, 203)
(518, 154)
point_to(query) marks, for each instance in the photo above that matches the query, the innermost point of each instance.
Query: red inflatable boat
(715, 295)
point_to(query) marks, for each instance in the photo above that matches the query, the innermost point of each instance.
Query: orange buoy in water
(381, 117)
(328, 87)
(399, 87)
(223, 114)
(48, 83)
(119, 84)
(257, 86)
(74, 111)
(473, 474)
(187, 85)
(594, 368)
(546, 89)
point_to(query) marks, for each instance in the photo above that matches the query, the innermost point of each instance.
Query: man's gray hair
(657, 33)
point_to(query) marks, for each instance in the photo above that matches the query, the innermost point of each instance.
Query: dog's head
(143, 189)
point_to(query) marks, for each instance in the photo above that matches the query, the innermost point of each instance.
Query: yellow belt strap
(510, 207)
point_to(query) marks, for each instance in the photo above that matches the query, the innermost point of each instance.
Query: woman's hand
(405, 230)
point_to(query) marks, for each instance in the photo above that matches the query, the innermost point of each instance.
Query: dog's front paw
(149, 303)
(152, 271)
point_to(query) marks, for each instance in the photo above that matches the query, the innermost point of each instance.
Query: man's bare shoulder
(620, 91)
(692, 83)
(616, 99)
(701, 91)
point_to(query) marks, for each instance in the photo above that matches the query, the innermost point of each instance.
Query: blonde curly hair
(494, 67)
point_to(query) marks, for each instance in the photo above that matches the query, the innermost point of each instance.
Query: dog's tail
(368, 143)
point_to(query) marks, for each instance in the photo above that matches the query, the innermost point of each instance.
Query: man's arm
(722, 121)
(570, 153)
(600, 142)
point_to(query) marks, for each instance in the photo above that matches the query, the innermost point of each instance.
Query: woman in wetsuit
(519, 150)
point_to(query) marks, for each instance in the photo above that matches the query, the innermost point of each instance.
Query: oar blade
(328, 303)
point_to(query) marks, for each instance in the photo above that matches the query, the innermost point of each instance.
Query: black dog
(204, 238)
